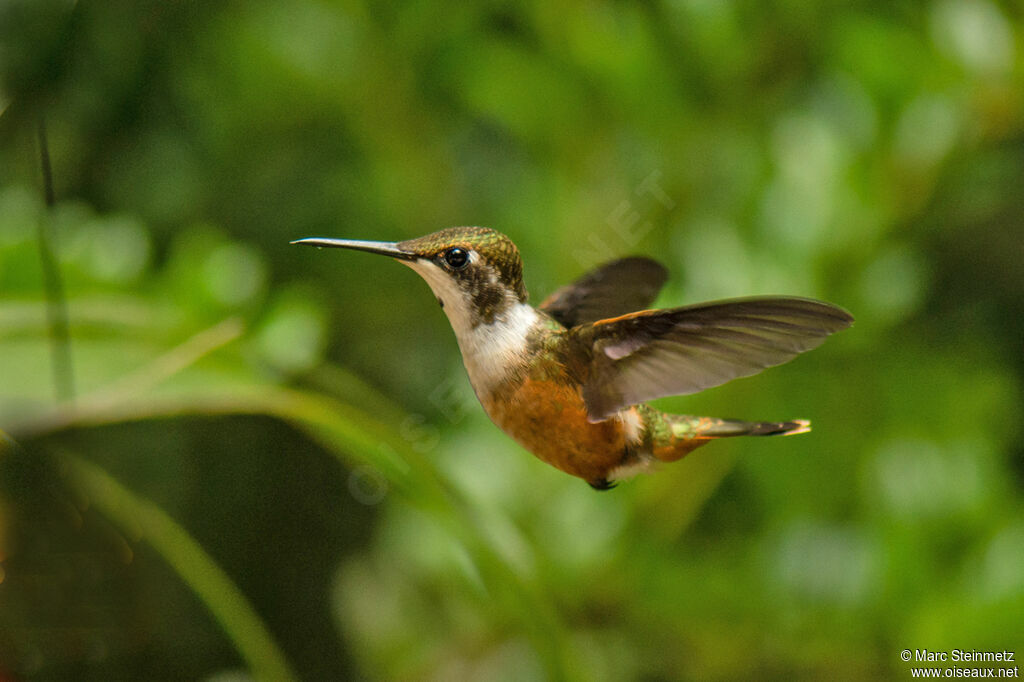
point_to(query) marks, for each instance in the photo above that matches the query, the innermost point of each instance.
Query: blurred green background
(267, 462)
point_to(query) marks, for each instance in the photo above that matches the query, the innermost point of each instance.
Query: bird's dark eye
(456, 258)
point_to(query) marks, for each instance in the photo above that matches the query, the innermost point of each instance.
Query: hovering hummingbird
(568, 379)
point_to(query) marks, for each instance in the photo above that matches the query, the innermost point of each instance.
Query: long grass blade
(208, 581)
(355, 438)
(53, 284)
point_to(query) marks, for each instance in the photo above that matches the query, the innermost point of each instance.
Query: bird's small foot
(602, 484)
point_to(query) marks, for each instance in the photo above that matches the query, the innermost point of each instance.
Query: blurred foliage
(274, 464)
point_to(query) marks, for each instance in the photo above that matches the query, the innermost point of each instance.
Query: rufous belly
(549, 419)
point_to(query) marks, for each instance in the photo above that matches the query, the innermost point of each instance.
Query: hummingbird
(569, 379)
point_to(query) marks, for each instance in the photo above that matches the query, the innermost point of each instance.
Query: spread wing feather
(651, 354)
(616, 288)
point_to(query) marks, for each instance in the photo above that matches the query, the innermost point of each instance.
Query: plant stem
(227, 604)
(56, 299)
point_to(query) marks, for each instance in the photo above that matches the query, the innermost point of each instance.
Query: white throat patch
(488, 350)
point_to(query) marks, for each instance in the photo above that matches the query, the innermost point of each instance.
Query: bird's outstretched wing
(651, 354)
(616, 288)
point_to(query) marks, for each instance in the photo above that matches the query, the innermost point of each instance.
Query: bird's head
(475, 272)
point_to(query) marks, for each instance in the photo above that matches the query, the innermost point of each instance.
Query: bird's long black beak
(382, 248)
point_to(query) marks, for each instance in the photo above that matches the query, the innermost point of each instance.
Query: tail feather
(672, 436)
(724, 428)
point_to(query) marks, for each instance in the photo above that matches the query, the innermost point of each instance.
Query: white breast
(487, 349)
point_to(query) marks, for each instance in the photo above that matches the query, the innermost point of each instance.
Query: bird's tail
(672, 436)
(724, 428)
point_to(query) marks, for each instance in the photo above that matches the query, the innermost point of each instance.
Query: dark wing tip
(834, 317)
(843, 315)
(840, 318)
(655, 273)
(649, 263)
(609, 290)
